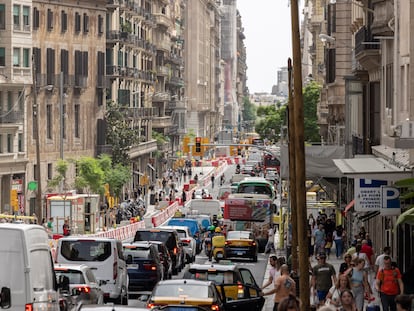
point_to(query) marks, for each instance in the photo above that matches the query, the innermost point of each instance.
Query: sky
(267, 28)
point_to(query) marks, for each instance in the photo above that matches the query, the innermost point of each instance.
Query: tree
(120, 134)
(90, 176)
(311, 95)
(249, 114)
(270, 121)
(59, 179)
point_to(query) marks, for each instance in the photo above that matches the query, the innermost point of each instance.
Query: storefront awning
(370, 167)
(406, 218)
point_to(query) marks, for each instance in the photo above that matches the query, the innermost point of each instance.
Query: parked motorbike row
(130, 209)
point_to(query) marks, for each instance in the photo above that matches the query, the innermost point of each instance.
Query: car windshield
(218, 277)
(238, 235)
(86, 250)
(177, 290)
(75, 276)
(136, 253)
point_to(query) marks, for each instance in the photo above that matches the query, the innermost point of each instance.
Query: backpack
(394, 275)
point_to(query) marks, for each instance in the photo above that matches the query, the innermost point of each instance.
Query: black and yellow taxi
(235, 283)
(241, 244)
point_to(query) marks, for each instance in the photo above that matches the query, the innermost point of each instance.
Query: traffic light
(14, 201)
(198, 145)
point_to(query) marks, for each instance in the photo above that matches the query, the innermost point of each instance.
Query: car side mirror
(5, 298)
(129, 260)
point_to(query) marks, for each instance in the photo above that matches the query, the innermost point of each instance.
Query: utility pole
(35, 108)
(292, 172)
(300, 160)
(61, 116)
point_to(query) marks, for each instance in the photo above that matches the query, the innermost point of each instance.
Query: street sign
(376, 195)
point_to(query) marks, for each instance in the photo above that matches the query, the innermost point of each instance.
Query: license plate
(240, 253)
(220, 255)
(132, 266)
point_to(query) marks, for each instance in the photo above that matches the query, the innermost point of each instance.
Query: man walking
(323, 276)
(389, 284)
(270, 245)
(274, 273)
(284, 286)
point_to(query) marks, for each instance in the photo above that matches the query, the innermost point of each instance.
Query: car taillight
(253, 243)
(215, 307)
(187, 241)
(84, 289)
(150, 267)
(28, 307)
(150, 305)
(227, 243)
(115, 271)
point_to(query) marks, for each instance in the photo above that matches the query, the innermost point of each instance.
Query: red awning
(349, 206)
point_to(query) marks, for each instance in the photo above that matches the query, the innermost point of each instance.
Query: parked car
(189, 243)
(83, 286)
(241, 244)
(170, 238)
(144, 266)
(104, 256)
(165, 258)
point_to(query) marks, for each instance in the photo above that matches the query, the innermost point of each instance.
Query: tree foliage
(270, 121)
(120, 135)
(249, 110)
(311, 94)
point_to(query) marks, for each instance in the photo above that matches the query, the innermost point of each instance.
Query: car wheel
(124, 297)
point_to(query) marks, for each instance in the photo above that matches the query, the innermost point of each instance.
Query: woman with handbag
(359, 282)
(333, 298)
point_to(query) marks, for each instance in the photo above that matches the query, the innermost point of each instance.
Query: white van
(105, 257)
(26, 269)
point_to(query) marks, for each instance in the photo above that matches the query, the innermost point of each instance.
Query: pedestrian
(338, 240)
(290, 303)
(320, 236)
(328, 244)
(212, 180)
(66, 228)
(404, 302)
(323, 276)
(311, 243)
(389, 284)
(347, 301)
(379, 261)
(359, 282)
(333, 298)
(284, 287)
(270, 245)
(347, 264)
(50, 225)
(272, 272)
(183, 197)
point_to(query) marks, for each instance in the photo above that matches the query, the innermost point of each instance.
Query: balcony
(143, 148)
(80, 81)
(11, 117)
(163, 44)
(162, 20)
(161, 96)
(176, 81)
(367, 49)
(161, 122)
(139, 113)
(176, 59)
(163, 71)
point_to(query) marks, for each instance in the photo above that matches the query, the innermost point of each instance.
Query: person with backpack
(389, 284)
(338, 240)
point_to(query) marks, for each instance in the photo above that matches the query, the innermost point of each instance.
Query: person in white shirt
(272, 271)
(270, 245)
(379, 261)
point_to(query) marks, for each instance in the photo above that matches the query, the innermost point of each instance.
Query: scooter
(218, 242)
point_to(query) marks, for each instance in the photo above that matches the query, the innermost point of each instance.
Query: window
(85, 23)
(50, 58)
(26, 58)
(2, 16)
(26, 18)
(16, 17)
(49, 19)
(9, 100)
(49, 171)
(64, 21)
(36, 18)
(2, 57)
(16, 57)
(21, 100)
(77, 22)
(77, 119)
(49, 127)
(20, 142)
(100, 25)
(37, 58)
(9, 143)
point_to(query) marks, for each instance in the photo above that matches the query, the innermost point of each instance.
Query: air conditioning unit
(407, 129)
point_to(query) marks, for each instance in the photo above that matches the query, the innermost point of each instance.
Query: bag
(314, 300)
(328, 244)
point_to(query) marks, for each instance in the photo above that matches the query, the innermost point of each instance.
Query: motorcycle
(218, 243)
(208, 248)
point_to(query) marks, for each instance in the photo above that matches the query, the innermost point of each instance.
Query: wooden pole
(292, 172)
(300, 160)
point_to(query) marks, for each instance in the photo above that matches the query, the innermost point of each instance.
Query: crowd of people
(365, 281)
